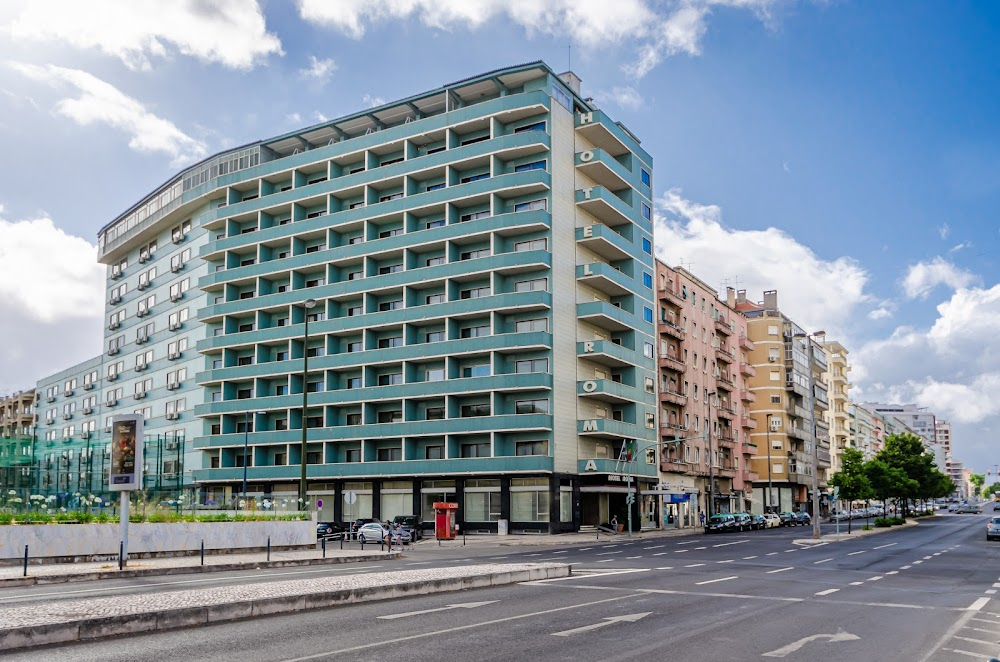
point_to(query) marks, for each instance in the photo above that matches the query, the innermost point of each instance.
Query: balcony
(603, 241)
(797, 433)
(603, 168)
(607, 316)
(606, 353)
(608, 391)
(748, 423)
(671, 362)
(602, 132)
(747, 344)
(726, 413)
(748, 396)
(749, 477)
(607, 428)
(674, 465)
(726, 437)
(748, 449)
(672, 430)
(673, 397)
(747, 369)
(603, 278)
(604, 205)
(723, 382)
(722, 355)
(672, 330)
(723, 327)
(800, 412)
(823, 457)
(670, 297)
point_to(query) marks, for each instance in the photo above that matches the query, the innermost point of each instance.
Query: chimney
(572, 81)
(771, 299)
(741, 296)
(731, 297)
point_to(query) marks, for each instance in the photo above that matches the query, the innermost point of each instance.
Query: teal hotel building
(475, 264)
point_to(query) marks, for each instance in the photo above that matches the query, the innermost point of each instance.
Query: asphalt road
(925, 593)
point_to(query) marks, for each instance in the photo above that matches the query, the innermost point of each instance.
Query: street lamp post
(812, 432)
(246, 442)
(307, 305)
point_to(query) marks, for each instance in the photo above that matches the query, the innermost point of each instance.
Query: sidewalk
(856, 532)
(53, 573)
(529, 539)
(23, 626)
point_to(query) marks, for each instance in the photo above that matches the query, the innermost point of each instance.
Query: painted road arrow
(628, 618)
(466, 605)
(796, 645)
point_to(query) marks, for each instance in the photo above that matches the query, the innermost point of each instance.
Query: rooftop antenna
(569, 56)
(733, 282)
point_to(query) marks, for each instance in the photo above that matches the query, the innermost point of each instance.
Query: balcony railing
(724, 356)
(747, 369)
(672, 330)
(671, 296)
(748, 396)
(674, 397)
(748, 423)
(747, 344)
(672, 362)
(723, 327)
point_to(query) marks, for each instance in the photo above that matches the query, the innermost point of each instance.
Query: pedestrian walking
(614, 523)
(701, 517)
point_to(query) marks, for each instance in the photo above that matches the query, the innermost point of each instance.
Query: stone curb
(854, 535)
(187, 570)
(96, 628)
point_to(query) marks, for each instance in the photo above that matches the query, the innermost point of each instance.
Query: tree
(977, 481)
(905, 452)
(888, 482)
(851, 479)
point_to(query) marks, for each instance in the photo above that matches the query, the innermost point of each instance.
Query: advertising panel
(126, 453)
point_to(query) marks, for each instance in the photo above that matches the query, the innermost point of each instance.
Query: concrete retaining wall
(89, 540)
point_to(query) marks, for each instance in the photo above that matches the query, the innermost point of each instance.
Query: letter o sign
(589, 387)
(586, 156)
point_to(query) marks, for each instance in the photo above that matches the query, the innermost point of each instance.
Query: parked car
(720, 523)
(993, 528)
(973, 508)
(788, 519)
(410, 524)
(357, 524)
(758, 522)
(327, 529)
(773, 521)
(803, 518)
(375, 532)
(743, 522)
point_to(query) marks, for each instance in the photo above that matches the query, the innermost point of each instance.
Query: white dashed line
(770, 553)
(874, 579)
(659, 553)
(771, 572)
(629, 558)
(539, 554)
(747, 558)
(917, 562)
(884, 546)
(712, 581)
(856, 583)
(893, 572)
(726, 544)
(681, 551)
(729, 561)
(694, 565)
(927, 558)
(606, 561)
(978, 604)
(858, 552)
(584, 549)
(700, 548)
(655, 547)
(790, 550)
(990, 591)
(669, 567)
(606, 553)
(822, 561)
(827, 591)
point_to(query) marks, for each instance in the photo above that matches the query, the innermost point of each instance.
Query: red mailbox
(444, 520)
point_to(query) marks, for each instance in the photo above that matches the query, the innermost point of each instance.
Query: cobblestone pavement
(66, 611)
(249, 560)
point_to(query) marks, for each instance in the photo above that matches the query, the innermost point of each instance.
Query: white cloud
(229, 32)
(944, 231)
(816, 293)
(373, 102)
(294, 118)
(623, 97)
(51, 300)
(923, 277)
(102, 103)
(660, 29)
(880, 313)
(318, 70)
(959, 247)
(320, 117)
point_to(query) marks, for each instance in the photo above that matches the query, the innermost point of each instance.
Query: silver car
(993, 528)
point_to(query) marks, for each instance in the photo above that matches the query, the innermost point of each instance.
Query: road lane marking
(582, 549)
(771, 572)
(747, 558)
(927, 558)
(629, 558)
(770, 553)
(585, 574)
(561, 551)
(796, 645)
(822, 561)
(419, 563)
(655, 547)
(669, 567)
(884, 546)
(735, 542)
(606, 553)
(856, 583)
(728, 561)
(681, 551)
(699, 548)
(827, 591)
(713, 581)
(905, 567)
(459, 628)
(611, 620)
(873, 579)
(538, 554)
(791, 550)
(978, 604)
(503, 557)
(858, 552)
(975, 641)
(659, 553)
(990, 591)
(467, 605)
(687, 542)
(917, 562)
(978, 656)
(996, 585)
(694, 565)
(893, 572)
(936, 554)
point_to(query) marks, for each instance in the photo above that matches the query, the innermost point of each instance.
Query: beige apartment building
(17, 414)
(837, 387)
(17, 423)
(785, 435)
(703, 417)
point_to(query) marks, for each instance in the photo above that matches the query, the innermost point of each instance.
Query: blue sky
(843, 153)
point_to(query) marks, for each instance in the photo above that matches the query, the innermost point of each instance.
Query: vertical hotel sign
(126, 453)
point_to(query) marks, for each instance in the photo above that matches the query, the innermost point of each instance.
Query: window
(435, 187)
(390, 454)
(385, 234)
(354, 347)
(533, 285)
(473, 255)
(532, 325)
(393, 341)
(434, 414)
(434, 336)
(526, 167)
(647, 314)
(644, 177)
(482, 409)
(354, 311)
(390, 305)
(531, 407)
(390, 379)
(475, 292)
(647, 213)
(475, 178)
(434, 298)
(315, 387)
(531, 245)
(472, 141)
(434, 261)
(647, 280)
(354, 419)
(434, 453)
(647, 246)
(477, 370)
(392, 416)
(434, 375)
(647, 350)
(530, 206)
(390, 269)
(650, 420)
(476, 450)
(244, 394)
(650, 384)
(531, 448)
(537, 126)
(775, 399)
(353, 382)
(475, 216)
(531, 365)
(387, 198)
(352, 455)
(439, 223)
(476, 331)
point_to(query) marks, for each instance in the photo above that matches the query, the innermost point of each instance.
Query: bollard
(362, 544)
(121, 553)
(324, 548)
(203, 552)
(25, 560)
(342, 540)
(463, 537)
(269, 549)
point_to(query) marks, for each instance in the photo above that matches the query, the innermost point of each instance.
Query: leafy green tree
(888, 482)
(977, 481)
(851, 479)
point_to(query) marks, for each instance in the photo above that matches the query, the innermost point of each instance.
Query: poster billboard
(126, 453)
